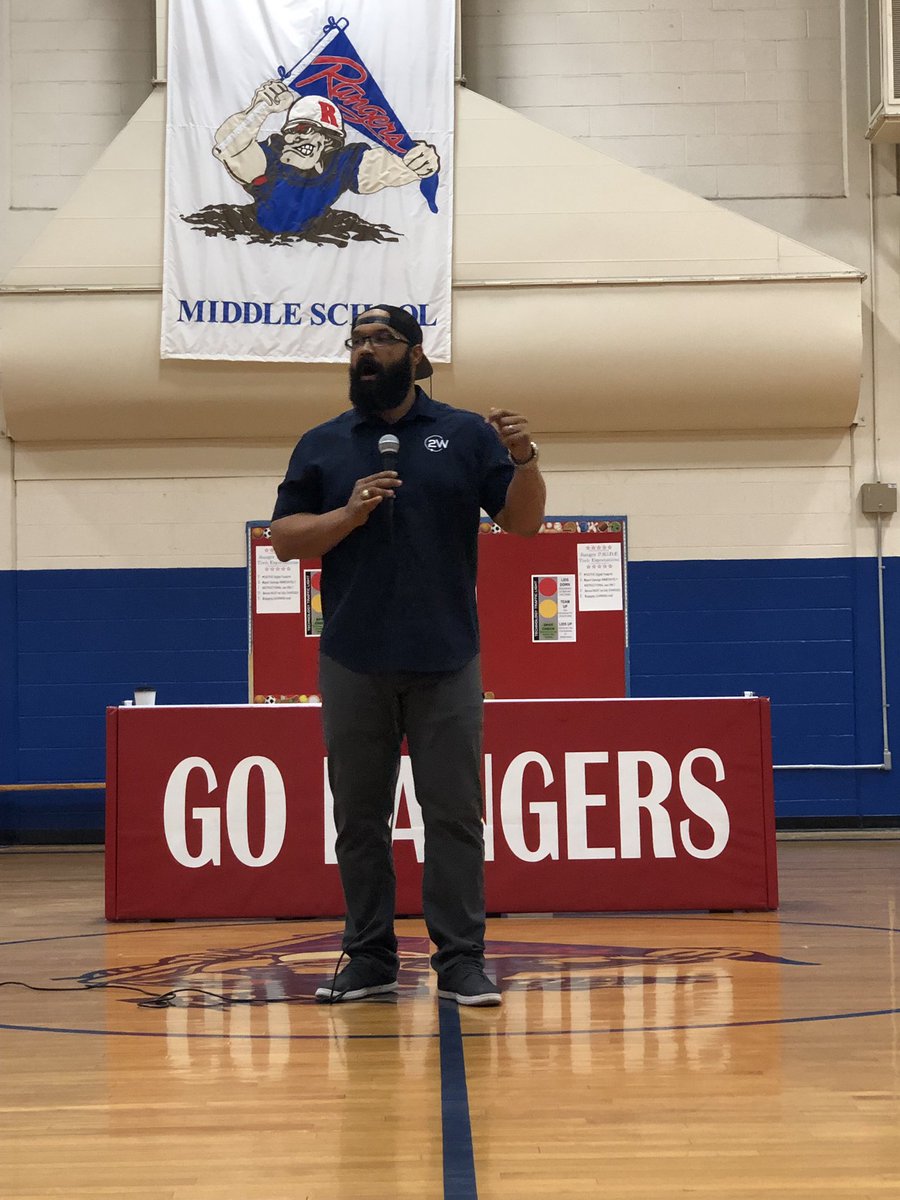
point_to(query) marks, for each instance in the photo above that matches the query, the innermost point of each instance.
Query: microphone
(389, 448)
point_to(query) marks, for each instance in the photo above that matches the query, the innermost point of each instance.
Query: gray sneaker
(466, 983)
(357, 981)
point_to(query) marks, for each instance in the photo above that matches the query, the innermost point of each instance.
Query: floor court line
(456, 1128)
(493, 1033)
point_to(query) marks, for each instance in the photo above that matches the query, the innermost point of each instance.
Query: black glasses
(380, 339)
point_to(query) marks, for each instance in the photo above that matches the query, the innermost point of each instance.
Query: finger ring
(366, 493)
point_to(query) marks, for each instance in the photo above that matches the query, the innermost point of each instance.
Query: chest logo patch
(435, 444)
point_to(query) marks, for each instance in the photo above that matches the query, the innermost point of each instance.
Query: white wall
(142, 506)
(72, 72)
(185, 505)
(729, 98)
(722, 97)
(79, 69)
(759, 104)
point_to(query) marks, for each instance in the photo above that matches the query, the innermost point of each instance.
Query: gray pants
(365, 718)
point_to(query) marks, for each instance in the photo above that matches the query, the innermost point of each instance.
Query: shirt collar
(423, 408)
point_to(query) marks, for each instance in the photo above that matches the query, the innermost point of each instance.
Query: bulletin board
(553, 612)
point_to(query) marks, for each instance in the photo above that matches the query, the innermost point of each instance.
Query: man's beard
(388, 388)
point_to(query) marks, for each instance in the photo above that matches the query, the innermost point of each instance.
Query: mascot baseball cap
(313, 110)
(401, 322)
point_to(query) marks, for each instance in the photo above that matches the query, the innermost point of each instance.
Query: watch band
(523, 462)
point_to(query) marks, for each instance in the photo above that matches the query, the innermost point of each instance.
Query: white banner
(309, 174)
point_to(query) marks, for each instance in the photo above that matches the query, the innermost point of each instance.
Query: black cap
(401, 322)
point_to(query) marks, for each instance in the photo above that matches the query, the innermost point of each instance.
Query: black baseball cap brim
(401, 322)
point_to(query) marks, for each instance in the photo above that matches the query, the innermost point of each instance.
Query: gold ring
(366, 493)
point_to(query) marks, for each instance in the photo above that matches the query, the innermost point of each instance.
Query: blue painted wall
(82, 640)
(804, 632)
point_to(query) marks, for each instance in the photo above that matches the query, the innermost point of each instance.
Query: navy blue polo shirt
(398, 593)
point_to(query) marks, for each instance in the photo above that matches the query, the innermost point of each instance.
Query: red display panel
(284, 645)
(592, 805)
(552, 610)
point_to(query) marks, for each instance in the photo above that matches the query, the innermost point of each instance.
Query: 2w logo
(176, 815)
(435, 443)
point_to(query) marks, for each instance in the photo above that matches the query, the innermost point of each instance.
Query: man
(399, 649)
(297, 175)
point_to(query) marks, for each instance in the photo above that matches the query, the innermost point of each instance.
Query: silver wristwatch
(523, 462)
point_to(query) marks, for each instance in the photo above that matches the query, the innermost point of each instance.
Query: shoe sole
(484, 1000)
(331, 997)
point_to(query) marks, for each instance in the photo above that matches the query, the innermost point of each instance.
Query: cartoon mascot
(295, 176)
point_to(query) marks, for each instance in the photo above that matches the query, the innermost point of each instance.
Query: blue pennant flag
(338, 74)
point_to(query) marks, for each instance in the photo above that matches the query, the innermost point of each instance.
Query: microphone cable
(165, 999)
(169, 999)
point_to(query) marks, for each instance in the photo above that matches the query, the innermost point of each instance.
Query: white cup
(145, 695)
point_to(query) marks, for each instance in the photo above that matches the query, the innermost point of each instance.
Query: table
(590, 806)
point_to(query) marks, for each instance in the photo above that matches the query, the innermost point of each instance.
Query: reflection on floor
(714, 1055)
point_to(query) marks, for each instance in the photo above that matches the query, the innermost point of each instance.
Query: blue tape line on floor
(459, 1157)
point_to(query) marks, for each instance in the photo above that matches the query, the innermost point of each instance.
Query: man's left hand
(512, 430)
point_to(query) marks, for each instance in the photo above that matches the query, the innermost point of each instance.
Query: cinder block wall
(725, 98)
(751, 565)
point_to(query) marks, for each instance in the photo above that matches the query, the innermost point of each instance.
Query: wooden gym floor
(718, 1055)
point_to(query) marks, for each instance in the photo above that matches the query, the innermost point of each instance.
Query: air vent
(884, 70)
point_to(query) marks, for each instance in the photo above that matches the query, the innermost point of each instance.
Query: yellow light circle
(548, 609)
